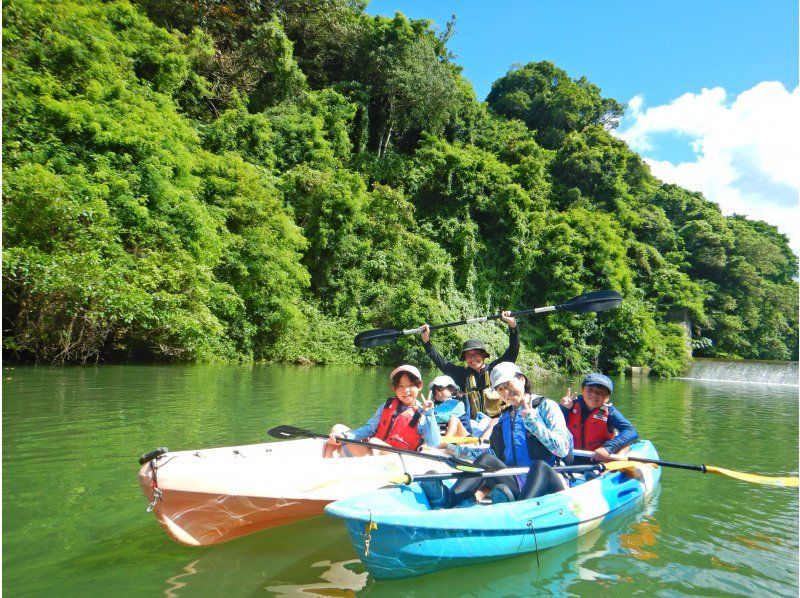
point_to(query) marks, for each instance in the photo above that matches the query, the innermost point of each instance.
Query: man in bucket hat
(473, 378)
(595, 424)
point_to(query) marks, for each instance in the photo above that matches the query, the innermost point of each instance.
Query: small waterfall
(761, 372)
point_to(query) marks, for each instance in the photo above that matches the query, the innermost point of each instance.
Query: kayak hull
(406, 538)
(215, 495)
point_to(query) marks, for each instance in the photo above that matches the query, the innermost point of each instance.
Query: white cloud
(746, 152)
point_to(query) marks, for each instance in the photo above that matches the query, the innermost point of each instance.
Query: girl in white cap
(530, 432)
(402, 421)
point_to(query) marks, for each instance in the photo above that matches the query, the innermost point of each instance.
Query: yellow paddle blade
(783, 482)
(460, 439)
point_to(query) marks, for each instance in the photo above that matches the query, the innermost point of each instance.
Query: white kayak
(208, 496)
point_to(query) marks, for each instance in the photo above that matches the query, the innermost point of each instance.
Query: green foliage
(550, 103)
(598, 166)
(249, 135)
(199, 181)
(123, 237)
(413, 86)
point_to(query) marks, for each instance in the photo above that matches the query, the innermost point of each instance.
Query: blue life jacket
(511, 441)
(448, 408)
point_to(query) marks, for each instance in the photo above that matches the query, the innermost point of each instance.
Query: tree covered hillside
(200, 181)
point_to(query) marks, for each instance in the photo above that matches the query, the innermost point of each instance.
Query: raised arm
(512, 352)
(455, 371)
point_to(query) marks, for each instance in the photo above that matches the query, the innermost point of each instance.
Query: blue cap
(598, 380)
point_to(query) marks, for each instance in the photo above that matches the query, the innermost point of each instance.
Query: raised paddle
(590, 302)
(783, 482)
(287, 432)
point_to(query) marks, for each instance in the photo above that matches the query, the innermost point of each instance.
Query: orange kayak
(208, 496)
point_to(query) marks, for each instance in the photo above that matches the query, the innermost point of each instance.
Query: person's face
(441, 393)
(406, 391)
(475, 359)
(595, 396)
(512, 391)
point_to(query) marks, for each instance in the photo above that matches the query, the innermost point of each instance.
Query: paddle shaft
(291, 431)
(509, 471)
(596, 301)
(600, 300)
(778, 481)
(690, 466)
(514, 314)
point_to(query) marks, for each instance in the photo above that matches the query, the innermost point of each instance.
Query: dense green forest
(207, 181)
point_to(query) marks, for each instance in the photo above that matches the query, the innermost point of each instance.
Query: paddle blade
(783, 482)
(376, 338)
(460, 440)
(592, 302)
(287, 432)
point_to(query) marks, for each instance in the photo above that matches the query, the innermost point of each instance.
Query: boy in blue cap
(596, 425)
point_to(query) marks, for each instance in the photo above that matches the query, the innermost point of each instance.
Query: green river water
(74, 520)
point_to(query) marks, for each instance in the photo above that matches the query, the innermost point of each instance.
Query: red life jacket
(595, 430)
(399, 429)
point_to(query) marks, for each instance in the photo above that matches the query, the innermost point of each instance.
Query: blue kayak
(396, 534)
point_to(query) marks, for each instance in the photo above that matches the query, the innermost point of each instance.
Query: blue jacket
(518, 440)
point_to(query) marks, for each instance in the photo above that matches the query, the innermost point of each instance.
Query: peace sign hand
(526, 405)
(568, 400)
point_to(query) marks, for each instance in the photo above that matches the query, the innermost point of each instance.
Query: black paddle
(288, 432)
(407, 478)
(590, 302)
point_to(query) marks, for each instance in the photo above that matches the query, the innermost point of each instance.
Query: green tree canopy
(551, 103)
(198, 181)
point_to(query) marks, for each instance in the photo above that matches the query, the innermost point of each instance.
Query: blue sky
(660, 48)
(712, 84)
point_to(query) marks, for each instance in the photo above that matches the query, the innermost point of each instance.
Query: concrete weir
(760, 372)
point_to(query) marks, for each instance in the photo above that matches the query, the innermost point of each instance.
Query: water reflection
(314, 558)
(75, 524)
(174, 584)
(642, 535)
(339, 580)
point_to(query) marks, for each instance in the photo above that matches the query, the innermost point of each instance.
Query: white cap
(410, 369)
(503, 372)
(443, 381)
